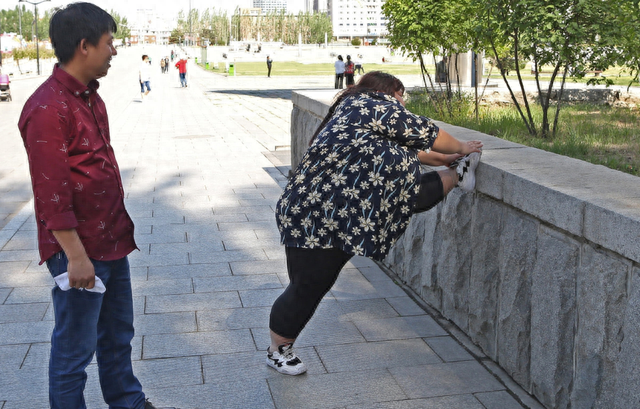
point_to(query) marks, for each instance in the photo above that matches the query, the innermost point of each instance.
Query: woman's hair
(340, 57)
(71, 24)
(373, 81)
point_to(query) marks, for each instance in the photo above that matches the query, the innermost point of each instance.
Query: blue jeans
(88, 322)
(145, 84)
(183, 79)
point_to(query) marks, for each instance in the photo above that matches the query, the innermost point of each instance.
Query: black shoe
(149, 405)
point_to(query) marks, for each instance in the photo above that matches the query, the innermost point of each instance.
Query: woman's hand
(469, 147)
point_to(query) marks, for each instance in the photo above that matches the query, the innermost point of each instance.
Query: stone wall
(540, 267)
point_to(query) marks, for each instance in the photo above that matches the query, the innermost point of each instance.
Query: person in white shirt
(339, 72)
(145, 76)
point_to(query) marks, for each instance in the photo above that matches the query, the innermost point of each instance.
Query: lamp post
(35, 4)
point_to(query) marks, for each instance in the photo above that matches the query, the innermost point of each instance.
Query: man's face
(99, 57)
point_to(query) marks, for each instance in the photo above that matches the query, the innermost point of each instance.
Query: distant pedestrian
(359, 67)
(181, 65)
(349, 69)
(269, 62)
(162, 65)
(84, 230)
(144, 74)
(166, 65)
(339, 66)
(172, 55)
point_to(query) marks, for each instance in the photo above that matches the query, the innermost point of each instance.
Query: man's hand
(81, 273)
(80, 268)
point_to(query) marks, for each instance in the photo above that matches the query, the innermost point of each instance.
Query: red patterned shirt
(75, 177)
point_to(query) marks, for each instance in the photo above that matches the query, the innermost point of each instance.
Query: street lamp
(35, 3)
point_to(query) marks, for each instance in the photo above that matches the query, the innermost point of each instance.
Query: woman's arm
(432, 158)
(445, 143)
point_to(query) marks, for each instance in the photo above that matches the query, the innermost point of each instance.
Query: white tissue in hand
(63, 282)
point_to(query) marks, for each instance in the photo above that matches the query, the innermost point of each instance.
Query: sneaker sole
(469, 182)
(286, 370)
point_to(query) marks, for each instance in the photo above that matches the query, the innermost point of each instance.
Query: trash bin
(196, 60)
(232, 70)
(207, 65)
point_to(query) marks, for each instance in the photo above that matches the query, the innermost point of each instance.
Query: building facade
(268, 6)
(148, 27)
(357, 18)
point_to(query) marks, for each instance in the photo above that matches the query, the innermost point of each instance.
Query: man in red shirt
(181, 65)
(84, 231)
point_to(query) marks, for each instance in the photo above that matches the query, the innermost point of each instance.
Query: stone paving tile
(259, 298)
(166, 323)
(257, 282)
(455, 378)
(138, 259)
(197, 343)
(445, 402)
(258, 267)
(271, 243)
(25, 332)
(191, 270)
(233, 318)
(399, 328)
(448, 349)
(376, 355)
(169, 372)
(162, 287)
(23, 295)
(358, 310)
(334, 389)
(22, 240)
(35, 395)
(252, 365)
(18, 255)
(226, 256)
(325, 332)
(12, 356)
(352, 285)
(4, 293)
(498, 400)
(192, 302)
(22, 313)
(405, 305)
(373, 274)
(252, 393)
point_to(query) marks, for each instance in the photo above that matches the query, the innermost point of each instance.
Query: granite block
(22, 312)
(444, 402)
(498, 400)
(169, 372)
(191, 270)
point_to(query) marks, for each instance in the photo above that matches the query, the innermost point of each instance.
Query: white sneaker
(285, 360)
(466, 170)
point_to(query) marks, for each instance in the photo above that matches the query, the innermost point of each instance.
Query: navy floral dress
(356, 185)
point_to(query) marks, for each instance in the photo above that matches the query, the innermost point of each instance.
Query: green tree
(124, 31)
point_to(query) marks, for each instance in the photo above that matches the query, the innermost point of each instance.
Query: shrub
(356, 41)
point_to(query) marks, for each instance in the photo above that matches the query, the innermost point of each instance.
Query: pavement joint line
(11, 228)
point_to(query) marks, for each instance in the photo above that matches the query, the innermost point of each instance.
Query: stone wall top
(589, 201)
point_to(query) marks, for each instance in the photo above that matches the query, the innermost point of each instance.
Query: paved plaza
(203, 167)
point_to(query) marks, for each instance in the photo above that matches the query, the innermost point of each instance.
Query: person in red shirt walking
(181, 65)
(84, 230)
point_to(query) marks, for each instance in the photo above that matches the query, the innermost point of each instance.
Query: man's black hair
(144, 56)
(77, 21)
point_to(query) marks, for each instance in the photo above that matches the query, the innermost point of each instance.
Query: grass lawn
(296, 68)
(594, 133)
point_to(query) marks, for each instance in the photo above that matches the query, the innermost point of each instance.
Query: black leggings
(312, 273)
(431, 192)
